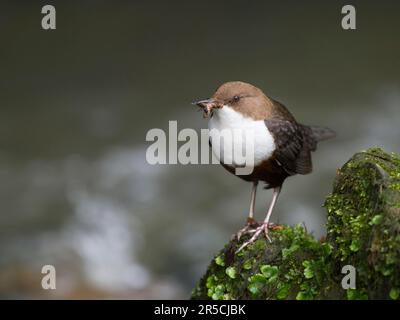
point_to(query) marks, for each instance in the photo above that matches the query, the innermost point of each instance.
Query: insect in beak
(207, 106)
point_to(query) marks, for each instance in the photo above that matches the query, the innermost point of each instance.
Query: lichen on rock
(363, 230)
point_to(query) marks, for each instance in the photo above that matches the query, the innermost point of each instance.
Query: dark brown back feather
(293, 145)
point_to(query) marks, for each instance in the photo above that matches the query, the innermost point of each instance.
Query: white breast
(227, 119)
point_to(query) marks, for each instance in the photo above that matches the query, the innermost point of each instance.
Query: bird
(282, 146)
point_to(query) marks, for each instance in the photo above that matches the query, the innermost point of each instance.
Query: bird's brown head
(241, 96)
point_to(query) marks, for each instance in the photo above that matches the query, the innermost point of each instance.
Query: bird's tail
(322, 133)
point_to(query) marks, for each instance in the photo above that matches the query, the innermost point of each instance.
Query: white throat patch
(226, 118)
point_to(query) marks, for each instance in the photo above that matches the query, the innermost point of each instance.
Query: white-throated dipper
(282, 146)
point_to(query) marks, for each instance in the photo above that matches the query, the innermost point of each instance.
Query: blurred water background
(76, 104)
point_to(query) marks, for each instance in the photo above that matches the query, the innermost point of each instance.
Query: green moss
(363, 223)
(293, 266)
(394, 293)
(363, 230)
(219, 261)
(356, 294)
(231, 272)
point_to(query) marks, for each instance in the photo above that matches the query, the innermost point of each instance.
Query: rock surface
(363, 231)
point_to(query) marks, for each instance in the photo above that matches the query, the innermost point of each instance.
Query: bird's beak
(207, 105)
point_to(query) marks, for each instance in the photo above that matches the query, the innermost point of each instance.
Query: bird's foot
(257, 231)
(248, 228)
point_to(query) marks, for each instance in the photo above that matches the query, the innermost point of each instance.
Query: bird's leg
(275, 196)
(264, 226)
(250, 219)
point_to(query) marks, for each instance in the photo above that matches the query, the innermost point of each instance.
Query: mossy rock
(363, 230)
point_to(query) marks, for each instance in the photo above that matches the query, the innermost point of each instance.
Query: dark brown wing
(292, 151)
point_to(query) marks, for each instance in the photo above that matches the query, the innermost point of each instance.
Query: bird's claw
(263, 227)
(248, 228)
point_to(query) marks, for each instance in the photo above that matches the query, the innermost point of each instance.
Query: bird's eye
(236, 98)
